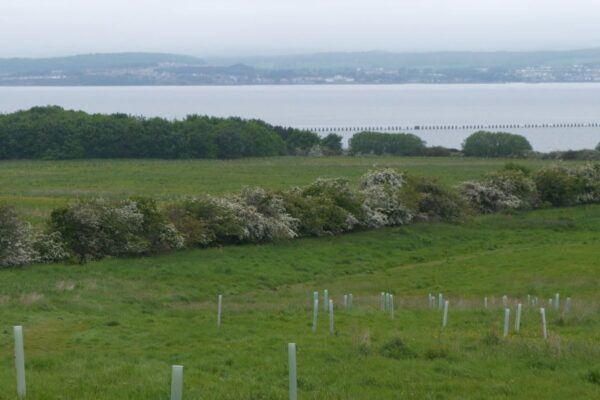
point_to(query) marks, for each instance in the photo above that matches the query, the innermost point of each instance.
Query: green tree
(401, 144)
(332, 144)
(496, 144)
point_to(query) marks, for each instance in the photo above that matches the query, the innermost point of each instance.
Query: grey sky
(242, 27)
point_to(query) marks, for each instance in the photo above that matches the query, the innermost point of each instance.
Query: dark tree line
(55, 133)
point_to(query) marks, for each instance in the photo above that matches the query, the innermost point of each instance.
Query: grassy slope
(38, 186)
(111, 329)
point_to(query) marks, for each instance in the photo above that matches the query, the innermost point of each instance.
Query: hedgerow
(96, 228)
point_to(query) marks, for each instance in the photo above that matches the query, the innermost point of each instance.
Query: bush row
(92, 229)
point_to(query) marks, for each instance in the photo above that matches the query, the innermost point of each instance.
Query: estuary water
(348, 107)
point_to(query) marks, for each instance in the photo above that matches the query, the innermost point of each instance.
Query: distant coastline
(157, 69)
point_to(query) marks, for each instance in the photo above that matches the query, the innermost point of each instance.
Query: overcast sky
(243, 27)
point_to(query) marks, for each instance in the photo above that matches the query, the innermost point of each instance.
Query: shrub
(50, 248)
(430, 200)
(486, 198)
(254, 216)
(503, 190)
(557, 186)
(317, 215)
(568, 155)
(204, 221)
(382, 204)
(16, 240)
(161, 234)
(96, 228)
(339, 192)
(517, 185)
(496, 144)
(588, 177)
(262, 216)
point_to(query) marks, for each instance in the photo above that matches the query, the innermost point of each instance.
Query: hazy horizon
(51, 28)
(299, 53)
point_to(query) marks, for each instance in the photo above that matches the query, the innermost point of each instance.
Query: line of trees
(54, 133)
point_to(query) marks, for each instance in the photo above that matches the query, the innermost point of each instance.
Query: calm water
(348, 106)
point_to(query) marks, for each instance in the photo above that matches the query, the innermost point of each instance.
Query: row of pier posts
(399, 128)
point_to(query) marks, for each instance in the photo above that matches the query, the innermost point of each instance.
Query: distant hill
(321, 68)
(22, 66)
(380, 59)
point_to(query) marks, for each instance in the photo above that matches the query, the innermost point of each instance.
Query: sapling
(557, 301)
(506, 321)
(325, 299)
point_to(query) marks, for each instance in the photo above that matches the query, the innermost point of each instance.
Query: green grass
(112, 329)
(36, 187)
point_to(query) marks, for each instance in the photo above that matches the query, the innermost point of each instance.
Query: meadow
(36, 187)
(111, 329)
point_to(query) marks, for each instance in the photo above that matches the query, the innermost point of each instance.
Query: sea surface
(349, 108)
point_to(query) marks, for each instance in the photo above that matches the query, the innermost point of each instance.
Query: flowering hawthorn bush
(262, 216)
(429, 200)
(16, 240)
(93, 229)
(382, 204)
(503, 190)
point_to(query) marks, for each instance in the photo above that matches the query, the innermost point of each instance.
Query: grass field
(112, 329)
(36, 187)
